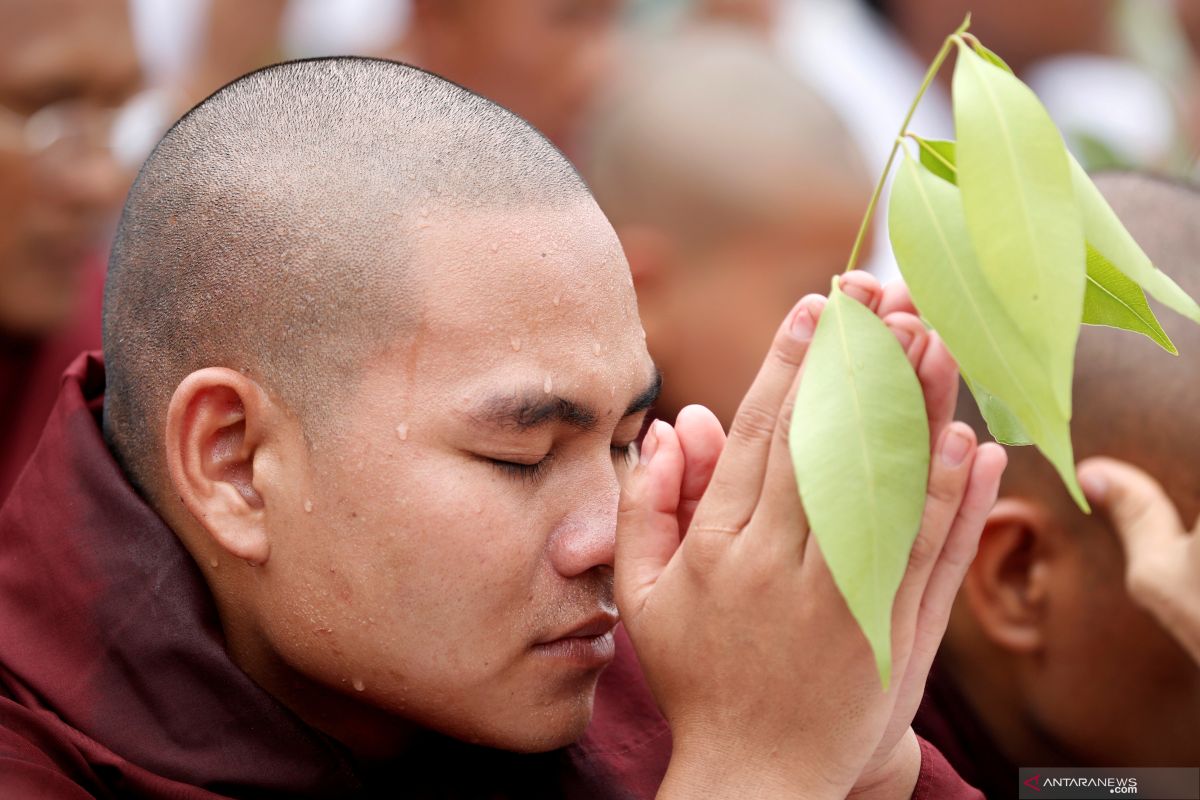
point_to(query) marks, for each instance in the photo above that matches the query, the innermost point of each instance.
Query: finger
(737, 480)
(896, 298)
(938, 374)
(702, 439)
(780, 510)
(911, 333)
(863, 287)
(647, 530)
(1143, 516)
(950, 468)
(951, 567)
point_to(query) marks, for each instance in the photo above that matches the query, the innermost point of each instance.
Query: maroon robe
(115, 683)
(30, 371)
(947, 720)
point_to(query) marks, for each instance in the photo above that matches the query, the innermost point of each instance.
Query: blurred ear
(652, 255)
(216, 428)
(1006, 587)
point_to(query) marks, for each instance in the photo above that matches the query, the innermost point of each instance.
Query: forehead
(538, 292)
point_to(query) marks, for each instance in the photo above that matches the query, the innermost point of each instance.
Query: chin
(538, 727)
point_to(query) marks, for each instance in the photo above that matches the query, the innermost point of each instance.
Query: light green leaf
(990, 57)
(1112, 299)
(1106, 233)
(936, 257)
(860, 447)
(1001, 421)
(1021, 212)
(937, 155)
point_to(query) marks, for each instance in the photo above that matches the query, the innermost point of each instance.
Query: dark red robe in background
(949, 723)
(115, 683)
(30, 371)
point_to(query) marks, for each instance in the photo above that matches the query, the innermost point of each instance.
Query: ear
(215, 428)
(1006, 586)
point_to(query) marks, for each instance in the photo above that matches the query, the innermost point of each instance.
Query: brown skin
(346, 613)
(391, 575)
(541, 59)
(1062, 665)
(53, 215)
(711, 307)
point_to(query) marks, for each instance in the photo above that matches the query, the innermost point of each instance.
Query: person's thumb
(647, 527)
(1144, 517)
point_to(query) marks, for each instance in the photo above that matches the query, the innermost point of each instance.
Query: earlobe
(214, 428)
(1005, 587)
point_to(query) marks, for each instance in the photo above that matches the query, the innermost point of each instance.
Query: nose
(585, 539)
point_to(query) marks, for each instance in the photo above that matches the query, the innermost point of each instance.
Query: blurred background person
(67, 68)
(1096, 64)
(1048, 660)
(542, 59)
(734, 189)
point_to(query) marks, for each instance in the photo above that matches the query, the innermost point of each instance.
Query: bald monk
(733, 188)
(1052, 657)
(339, 512)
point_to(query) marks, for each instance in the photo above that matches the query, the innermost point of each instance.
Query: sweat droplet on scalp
(402, 430)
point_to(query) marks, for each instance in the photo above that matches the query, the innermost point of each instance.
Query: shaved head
(1134, 401)
(270, 231)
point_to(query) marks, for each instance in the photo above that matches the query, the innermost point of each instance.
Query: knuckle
(945, 489)
(753, 423)
(925, 549)
(787, 352)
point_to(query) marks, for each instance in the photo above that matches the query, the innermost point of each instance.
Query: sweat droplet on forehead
(515, 341)
(402, 431)
(548, 385)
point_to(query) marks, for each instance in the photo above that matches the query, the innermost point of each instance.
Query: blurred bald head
(270, 231)
(711, 130)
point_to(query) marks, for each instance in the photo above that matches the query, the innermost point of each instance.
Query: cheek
(409, 576)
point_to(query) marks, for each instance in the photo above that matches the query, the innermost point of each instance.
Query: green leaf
(1112, 299)
(937, 156)
(990, 57)
(1002, 423)
(1021, 211)
(1106, 233)
(860, 447)
(933, 248)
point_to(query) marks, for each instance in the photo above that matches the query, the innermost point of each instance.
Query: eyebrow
(531, 410)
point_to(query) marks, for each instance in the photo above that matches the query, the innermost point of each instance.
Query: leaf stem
(936, 65)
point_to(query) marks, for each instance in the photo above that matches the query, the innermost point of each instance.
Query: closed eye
(516, 469)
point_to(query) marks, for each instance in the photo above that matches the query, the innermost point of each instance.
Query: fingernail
(905, 336)
(1094, 486)
(649, 444)
(955, 447)
(803, 323)
(860, 293)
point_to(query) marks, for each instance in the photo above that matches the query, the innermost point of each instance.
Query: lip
(591, 643)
